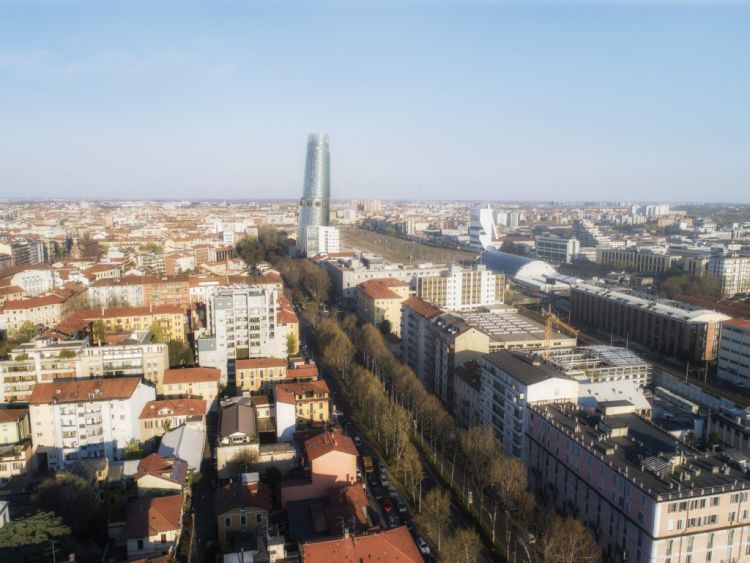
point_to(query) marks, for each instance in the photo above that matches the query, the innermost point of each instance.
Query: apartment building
(160, 416)
(669, 328)
(321, 240)
(462, 288)
(380, 300)
(258, 375)
(44, 360)
(86, 418)
(14, 425)
(117, 320)
(731, 269)
(650, 261)
(242, 323)
(241, 506)
(141, 291)
(734, 351)
(305, 404)
(44, 310)
(589, 234)
(645, 496)
(347, 273)
(509, 383)
(33, 280)
(191, 383)
(416, 326)
(557, 250)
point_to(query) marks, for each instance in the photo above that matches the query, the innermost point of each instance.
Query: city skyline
(552, 100)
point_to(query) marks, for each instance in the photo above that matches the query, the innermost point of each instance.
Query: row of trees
(390, 401)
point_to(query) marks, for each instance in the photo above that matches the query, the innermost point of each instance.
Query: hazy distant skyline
(478, 99)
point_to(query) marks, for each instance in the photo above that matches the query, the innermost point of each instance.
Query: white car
(424, 549)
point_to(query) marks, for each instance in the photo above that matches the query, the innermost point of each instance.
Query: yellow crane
(551, 322)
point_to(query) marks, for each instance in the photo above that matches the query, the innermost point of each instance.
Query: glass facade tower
(314, 207)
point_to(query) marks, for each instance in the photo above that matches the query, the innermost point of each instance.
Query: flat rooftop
(507, 325)
(674, 309)
(645, 454)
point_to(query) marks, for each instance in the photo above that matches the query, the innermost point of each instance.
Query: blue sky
(487, 100)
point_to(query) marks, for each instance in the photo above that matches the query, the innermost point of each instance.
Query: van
(367, 462)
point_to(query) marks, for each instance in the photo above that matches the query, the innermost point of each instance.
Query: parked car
(401, 505)
(384, 481)
(374, 516)
(387, 506)
(372, 480)
(392, 492)
(357, 442)
(378, 492)
(424, 549)
(359, 473)
(393, 521)
(381, 465)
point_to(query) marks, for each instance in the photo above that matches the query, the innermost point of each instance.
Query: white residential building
(242, 323)
(42, 361)
(321, 240)
(732, 270)
(557, 250)
(734, 351)
(462, 288)
(86, 418)
(509, 383)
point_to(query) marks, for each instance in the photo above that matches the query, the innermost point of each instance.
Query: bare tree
(567, 540)
(464, 546)
(435, 515)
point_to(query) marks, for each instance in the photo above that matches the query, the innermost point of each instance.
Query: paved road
(348, 425)
(203, 501)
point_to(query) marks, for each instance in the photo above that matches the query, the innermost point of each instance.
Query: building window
(258, 518)
(140, 544)
(164, 538)
(227, 521)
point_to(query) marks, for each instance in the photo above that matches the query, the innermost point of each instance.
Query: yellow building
(195, 383)
(258, 375)
(240, 507)
(120, 320)
(302, 403)
(380, 299)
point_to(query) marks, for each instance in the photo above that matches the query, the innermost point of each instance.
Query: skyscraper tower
(314, 207)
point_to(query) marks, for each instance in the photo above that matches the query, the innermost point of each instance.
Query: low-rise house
(258, 375)
(380, 300)
(298, 404)
(241, 507)
(15, 459)
(153, 526)
(238, 435)
(198, 383)
(185, 443)
(394, 545)
(331, 461)
(158, 417)
(159, 475)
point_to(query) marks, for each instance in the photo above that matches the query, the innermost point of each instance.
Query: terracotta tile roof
(394, 546)
(286, 392)
(379, 288)
(76, 390)
(175, 407)
(12, 415)
(326, 442)
(421, 307)
(309, 371)
(33, 302)
(239, 494)
(191, 375)
(151, 516)
(169, 468)
(11, 290)
(731, 308)
(261, 363)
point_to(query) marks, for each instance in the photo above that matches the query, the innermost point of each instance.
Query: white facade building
(557, 250)
(734, 351)
(242, 323)
(321, 240)
(509, 383)
(482, 229)
(86, 418)
(732, 270)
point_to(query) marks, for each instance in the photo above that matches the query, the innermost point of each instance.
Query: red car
(387, 506)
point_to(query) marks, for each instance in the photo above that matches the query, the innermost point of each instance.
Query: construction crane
(553, 321)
